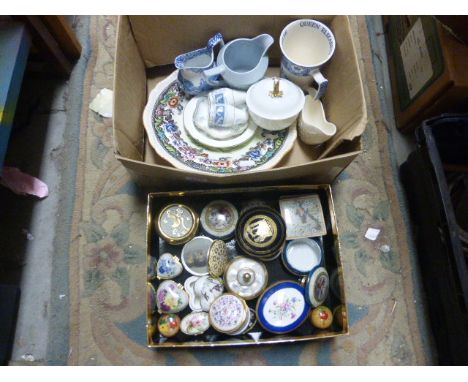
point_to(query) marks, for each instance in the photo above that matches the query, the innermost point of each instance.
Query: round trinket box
(317, 286)
(246, 277)
(171, 297)
(177, 224)
(228, 313)
(249, 323)
(282, 307)
(301, 256)
(169, 324)
(218, 258)
(195, 323)
(219, 218)
(261, 233)
(321, 317)
(195, 255)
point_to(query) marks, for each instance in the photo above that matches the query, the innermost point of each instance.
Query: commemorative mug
(306, 45)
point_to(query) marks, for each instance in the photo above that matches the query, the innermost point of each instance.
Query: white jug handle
(214, 72)
(322, 83)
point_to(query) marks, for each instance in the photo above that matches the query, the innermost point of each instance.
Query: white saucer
(205, 140)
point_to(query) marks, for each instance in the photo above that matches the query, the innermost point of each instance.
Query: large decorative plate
(163, 121)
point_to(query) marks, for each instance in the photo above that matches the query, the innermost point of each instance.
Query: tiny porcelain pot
(195, 255)
(317, 286)
(195, 323)
(306, 46)
(171, 297)
(219, 218)
(301, 256)
(274, 103)
(242, 62)
(246, 278)
(192, 66)
(177, 224)
(169, 324)
(282, 308)
(168, 267)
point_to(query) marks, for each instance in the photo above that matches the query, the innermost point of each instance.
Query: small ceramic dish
(246, 278)
(228, 313)
(301, 256)
(195, 255)
(219, 218)
(207, 141)
(177, 224)
(316, 286)
(282, 308)
(195, 323)
(274, 103)
(171, 297)
(168, 267)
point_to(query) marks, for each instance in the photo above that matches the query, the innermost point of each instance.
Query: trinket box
(317, 286)
(177, 223)
(301, 256)
(219, 218)
(248, 280)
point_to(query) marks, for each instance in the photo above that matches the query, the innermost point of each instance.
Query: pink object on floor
(22, 183)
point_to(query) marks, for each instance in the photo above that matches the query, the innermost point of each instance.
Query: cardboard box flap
(181, 34)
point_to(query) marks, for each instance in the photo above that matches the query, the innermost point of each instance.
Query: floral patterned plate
(282, 307)
(163, 121)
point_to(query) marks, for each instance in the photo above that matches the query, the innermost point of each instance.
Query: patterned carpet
(107, 251)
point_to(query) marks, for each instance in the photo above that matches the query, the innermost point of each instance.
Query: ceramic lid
(218, 258)
(195, 323)
(282, 307)
(219, 219)
(302, 255)
(194, 255)
(275, 104)
(246, 277)
(228, 313)
(317, 286)
(171, 297)
(177, 223)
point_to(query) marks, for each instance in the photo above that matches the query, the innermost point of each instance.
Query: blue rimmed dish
(301, 256)
(282, 308)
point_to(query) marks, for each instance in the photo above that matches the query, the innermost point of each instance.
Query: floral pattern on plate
(163, 119)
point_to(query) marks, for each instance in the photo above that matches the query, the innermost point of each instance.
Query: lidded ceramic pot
(246, 278)
(228, 314)
(168, 267)
(261, 233)
(275, 103)
(219, 218)
(177, 224)
(195, 323)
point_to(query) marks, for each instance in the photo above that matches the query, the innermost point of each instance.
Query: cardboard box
(276, 272)
(428, 69)
(146, 48)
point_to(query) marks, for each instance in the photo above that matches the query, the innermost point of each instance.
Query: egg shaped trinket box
(168, 267)
(321, 317)
(171, 297)
(246, 278)
(195, 323)
(317, 286)
(301, 256)
(169, 324)
(261, 232)
(228, 313)
(177, 224)
(195, 255)
(282, 307)
(219, 218)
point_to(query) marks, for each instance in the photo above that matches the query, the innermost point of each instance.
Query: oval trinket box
(195, 323)
(169, 324)
(246, 278)
(228, 313)
(219, 218)
(317, 286)
(282, 307)
(177, 224)
(301, 256)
